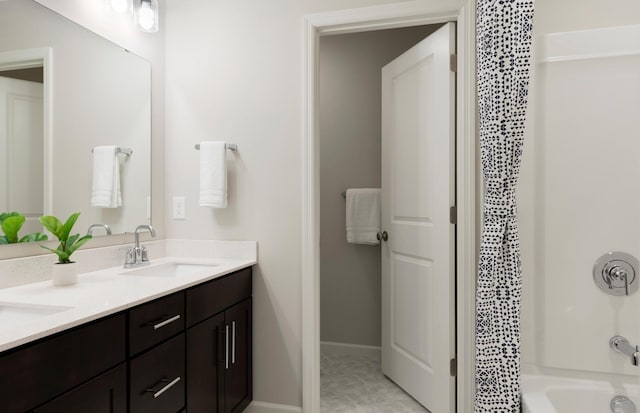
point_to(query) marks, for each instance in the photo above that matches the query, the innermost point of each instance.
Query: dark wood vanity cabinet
(157, 378)
(106, 393)
(219, 350)
(186, 352)
(42, 371)
(219, 362)
(238, 380)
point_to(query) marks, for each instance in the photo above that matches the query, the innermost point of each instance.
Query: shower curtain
(503, 58)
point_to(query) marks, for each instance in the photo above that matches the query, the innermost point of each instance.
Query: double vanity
(172, 336)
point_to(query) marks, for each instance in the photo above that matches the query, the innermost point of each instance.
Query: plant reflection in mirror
(11, 222)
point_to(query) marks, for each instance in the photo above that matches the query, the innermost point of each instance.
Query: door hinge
(453, 367)
(453, 215)
(453, 62)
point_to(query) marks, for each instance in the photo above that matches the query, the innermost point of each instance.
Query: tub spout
(621, 345)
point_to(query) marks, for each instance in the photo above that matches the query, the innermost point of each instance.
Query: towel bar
(230, 146)
(124, 151)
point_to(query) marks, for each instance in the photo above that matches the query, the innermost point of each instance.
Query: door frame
(25, 59)
(389, 16)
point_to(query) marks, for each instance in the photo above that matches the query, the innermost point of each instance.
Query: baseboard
(262, 407)
(349, 349)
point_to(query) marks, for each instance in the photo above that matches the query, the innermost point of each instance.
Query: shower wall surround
(579, 195)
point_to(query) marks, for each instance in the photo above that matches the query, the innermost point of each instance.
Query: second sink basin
(171, 269)
(16, 313)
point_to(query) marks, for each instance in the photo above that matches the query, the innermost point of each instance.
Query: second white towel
(105, 191)
(213, 174)
(363, 216)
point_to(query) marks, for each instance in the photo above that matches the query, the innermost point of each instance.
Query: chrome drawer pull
(170, 384)
(159, 324)
(233, 343)
(226, 347)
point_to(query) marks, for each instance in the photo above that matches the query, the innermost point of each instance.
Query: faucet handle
(131, 257)
(144, 254)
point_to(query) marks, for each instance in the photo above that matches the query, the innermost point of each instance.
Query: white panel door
(418, 189)
(22, 149)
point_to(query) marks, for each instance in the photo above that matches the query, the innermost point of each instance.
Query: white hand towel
(106, 178)
(213, 174)
(363, 216)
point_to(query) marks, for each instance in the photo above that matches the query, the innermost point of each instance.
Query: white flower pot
(64, 274)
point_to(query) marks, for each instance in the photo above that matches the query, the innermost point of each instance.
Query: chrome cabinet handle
(169, 384)
(233, 343)
(382, 236)
(163, 321)
(226, 346)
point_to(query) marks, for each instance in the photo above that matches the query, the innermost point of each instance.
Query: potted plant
(64, 271)
(10, 223)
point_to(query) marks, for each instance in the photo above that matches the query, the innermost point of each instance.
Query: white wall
(350, 145)
(577, 196)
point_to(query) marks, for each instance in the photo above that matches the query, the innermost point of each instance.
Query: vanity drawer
(39, 372)
(157, 382)
(212, 297)
(106, 393)
(156, 321)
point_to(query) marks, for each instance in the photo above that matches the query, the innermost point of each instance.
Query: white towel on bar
(213, 174)
(363, 216)
(105, 191)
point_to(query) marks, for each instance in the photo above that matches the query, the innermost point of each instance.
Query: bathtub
(549, 394)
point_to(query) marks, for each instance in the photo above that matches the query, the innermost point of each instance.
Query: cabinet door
(205, 363)
(106, 393)
(238, 377)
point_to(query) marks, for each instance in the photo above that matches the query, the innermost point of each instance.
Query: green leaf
(63, 257)
(11, 225)
(71, 221)
(4, 240)
(6, 215)
(35, 237)
(70, 241)
(72, 248)
(54, 226)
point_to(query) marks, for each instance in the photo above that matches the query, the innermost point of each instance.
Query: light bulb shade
(146, 15)
(121, 6)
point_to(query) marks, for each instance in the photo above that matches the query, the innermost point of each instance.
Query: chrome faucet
(95, 226)
(137, 255)
(621, 345)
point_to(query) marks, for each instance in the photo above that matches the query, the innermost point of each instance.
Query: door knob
(383, 236)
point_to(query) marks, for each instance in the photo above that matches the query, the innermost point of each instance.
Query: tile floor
(355, 384)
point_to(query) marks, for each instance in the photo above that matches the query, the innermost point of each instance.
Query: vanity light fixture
(146, 15)
(121, 6)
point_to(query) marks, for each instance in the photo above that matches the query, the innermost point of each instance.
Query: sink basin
(16, 313)
(172, 269)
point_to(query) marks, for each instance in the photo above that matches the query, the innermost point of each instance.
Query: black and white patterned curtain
(503, 53)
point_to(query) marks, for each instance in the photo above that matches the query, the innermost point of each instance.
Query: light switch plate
(179, 207)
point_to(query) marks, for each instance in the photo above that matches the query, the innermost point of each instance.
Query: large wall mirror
(65, 95)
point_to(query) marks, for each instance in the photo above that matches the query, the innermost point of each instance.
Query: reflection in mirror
(22, 137)
(66, 93)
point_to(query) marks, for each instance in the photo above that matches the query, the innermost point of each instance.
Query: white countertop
(98, 294)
